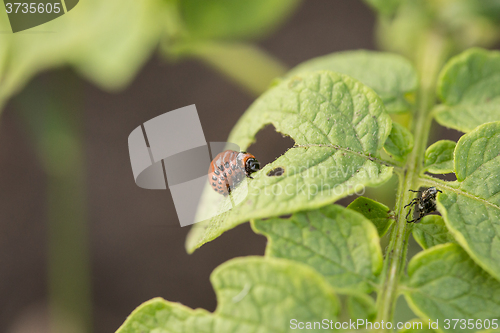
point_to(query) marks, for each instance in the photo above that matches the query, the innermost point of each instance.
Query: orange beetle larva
(229, 168)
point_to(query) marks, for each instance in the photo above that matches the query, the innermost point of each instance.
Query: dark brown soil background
(137, 247)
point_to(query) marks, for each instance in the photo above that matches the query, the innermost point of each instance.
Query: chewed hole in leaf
(269, 145)
(338, 127)
(276, 172)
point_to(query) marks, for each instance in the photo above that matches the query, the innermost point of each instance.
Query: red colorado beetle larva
(229, 168)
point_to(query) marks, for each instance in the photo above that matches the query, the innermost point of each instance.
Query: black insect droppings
(276, 172)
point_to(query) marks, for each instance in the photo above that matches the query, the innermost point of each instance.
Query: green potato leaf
(224, 19)
(472, 211)
(445, 283)
(376, 212)
(339, 126)
(115, 46)
(431, 231)
(161, 315)
(439, 157)
(490, 9)
(405, 31)
(254, 295)
(470, 22)
(391, 76)
(362, 307)
(339, 243)
(384, 7)
(469, 86)
(399, 143)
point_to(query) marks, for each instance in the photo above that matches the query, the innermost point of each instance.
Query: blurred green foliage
(404, 24)
(108, 41)
(384, 7)
(229, 19)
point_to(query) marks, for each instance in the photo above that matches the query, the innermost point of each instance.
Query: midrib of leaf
(397, 168)
(431, 181)
(243, 63)
(324, 257)
(432, 56)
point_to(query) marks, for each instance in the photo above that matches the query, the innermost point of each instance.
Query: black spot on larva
(216, 172)
(224, 174)
(229, 172)
(220, 183)
(276, 172)
(214, 178)
(233, 166)
(214, 184)
(226, 164)
(221, 167)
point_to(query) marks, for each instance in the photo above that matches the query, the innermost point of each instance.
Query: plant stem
(245, 64)
(433, 53)
(54, 121)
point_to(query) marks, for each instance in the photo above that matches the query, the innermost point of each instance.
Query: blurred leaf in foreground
(254, 295)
